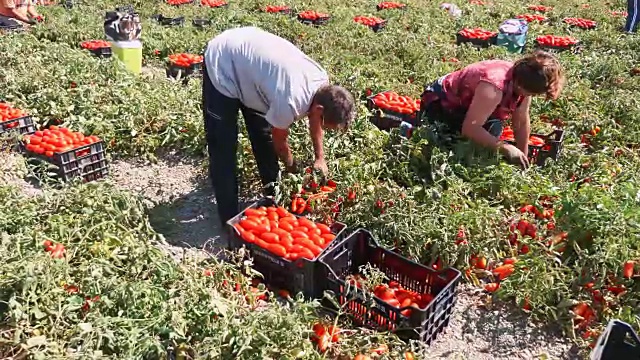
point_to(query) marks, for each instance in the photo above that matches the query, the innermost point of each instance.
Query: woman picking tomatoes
(274, 84)
(476, 100)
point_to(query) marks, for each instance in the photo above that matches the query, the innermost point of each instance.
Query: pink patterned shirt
(459, 87)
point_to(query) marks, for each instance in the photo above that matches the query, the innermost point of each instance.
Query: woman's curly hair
(539, 73)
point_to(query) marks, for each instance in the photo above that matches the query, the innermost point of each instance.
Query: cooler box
(130, 53)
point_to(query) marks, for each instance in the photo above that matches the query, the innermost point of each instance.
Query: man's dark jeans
(221, 126)
(633, 15)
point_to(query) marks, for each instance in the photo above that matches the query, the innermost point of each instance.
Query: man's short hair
(338, 104)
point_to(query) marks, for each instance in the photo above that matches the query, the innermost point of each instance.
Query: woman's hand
(514, 155)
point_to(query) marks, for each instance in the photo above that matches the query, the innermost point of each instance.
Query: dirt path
(183, 210)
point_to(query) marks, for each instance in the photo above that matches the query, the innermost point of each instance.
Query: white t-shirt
(265, 72)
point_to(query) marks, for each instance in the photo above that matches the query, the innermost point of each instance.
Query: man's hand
(321, 166)
(292, 167)
(514, 155)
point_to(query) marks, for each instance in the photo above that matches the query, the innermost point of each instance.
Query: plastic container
(130, 53)
(617, 342)
(379, 26)
(316, 22)
(380, 8)
(104, 52)
(88, 162)
(168, 21)
(575, 48)
(553, 144)
(297, 276)
(476, 42)
(24, 125)
(359, 249)
(179, 72)
(386, 119)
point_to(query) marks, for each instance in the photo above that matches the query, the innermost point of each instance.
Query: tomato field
(82, 277)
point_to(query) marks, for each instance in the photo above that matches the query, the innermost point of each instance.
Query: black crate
(617, 342)
(88, 162)
(282, 12)
(201, 23)
(186, 3)
(476, 42)
(403, 7)
(359, 249)
(104, 52)
(297, 276)
(385, 119)
(179, 72)
(379, 26)
(215, 7)
(24, 125)
(553, 144)
(168, 21)
(316, 22)
(575, 48)
(78, 153)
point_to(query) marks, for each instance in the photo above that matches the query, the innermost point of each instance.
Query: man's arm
(317, 136)
(522, 125)
(281, 145)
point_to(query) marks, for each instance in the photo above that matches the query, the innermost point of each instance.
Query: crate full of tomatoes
(391, 109)
(477, 37)
(72, 153)
(178, 2)
(315, 18)
(557, 43)
(13, 119)
(374, 23)
(99, 48)
(183, 65)
(541, 147)
(390, 5)
(581, 23)
(383, 290)
(214, 3)
(284, 247)
(277, 9)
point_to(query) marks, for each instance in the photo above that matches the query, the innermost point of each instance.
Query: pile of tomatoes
(581, 23)
(391, 101)
(57, 140)
(370, 21)
(7, 113)
(213, 3)
(556, 41)
(185, 60)
(540, 8)
(312, 15)
(508, 135)
(179, 2)
(391, 5)
(477, 33)
(95, 44)
(532, 17)
(277, 9)
(276, 230)
(396, 295)
(619, 13)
